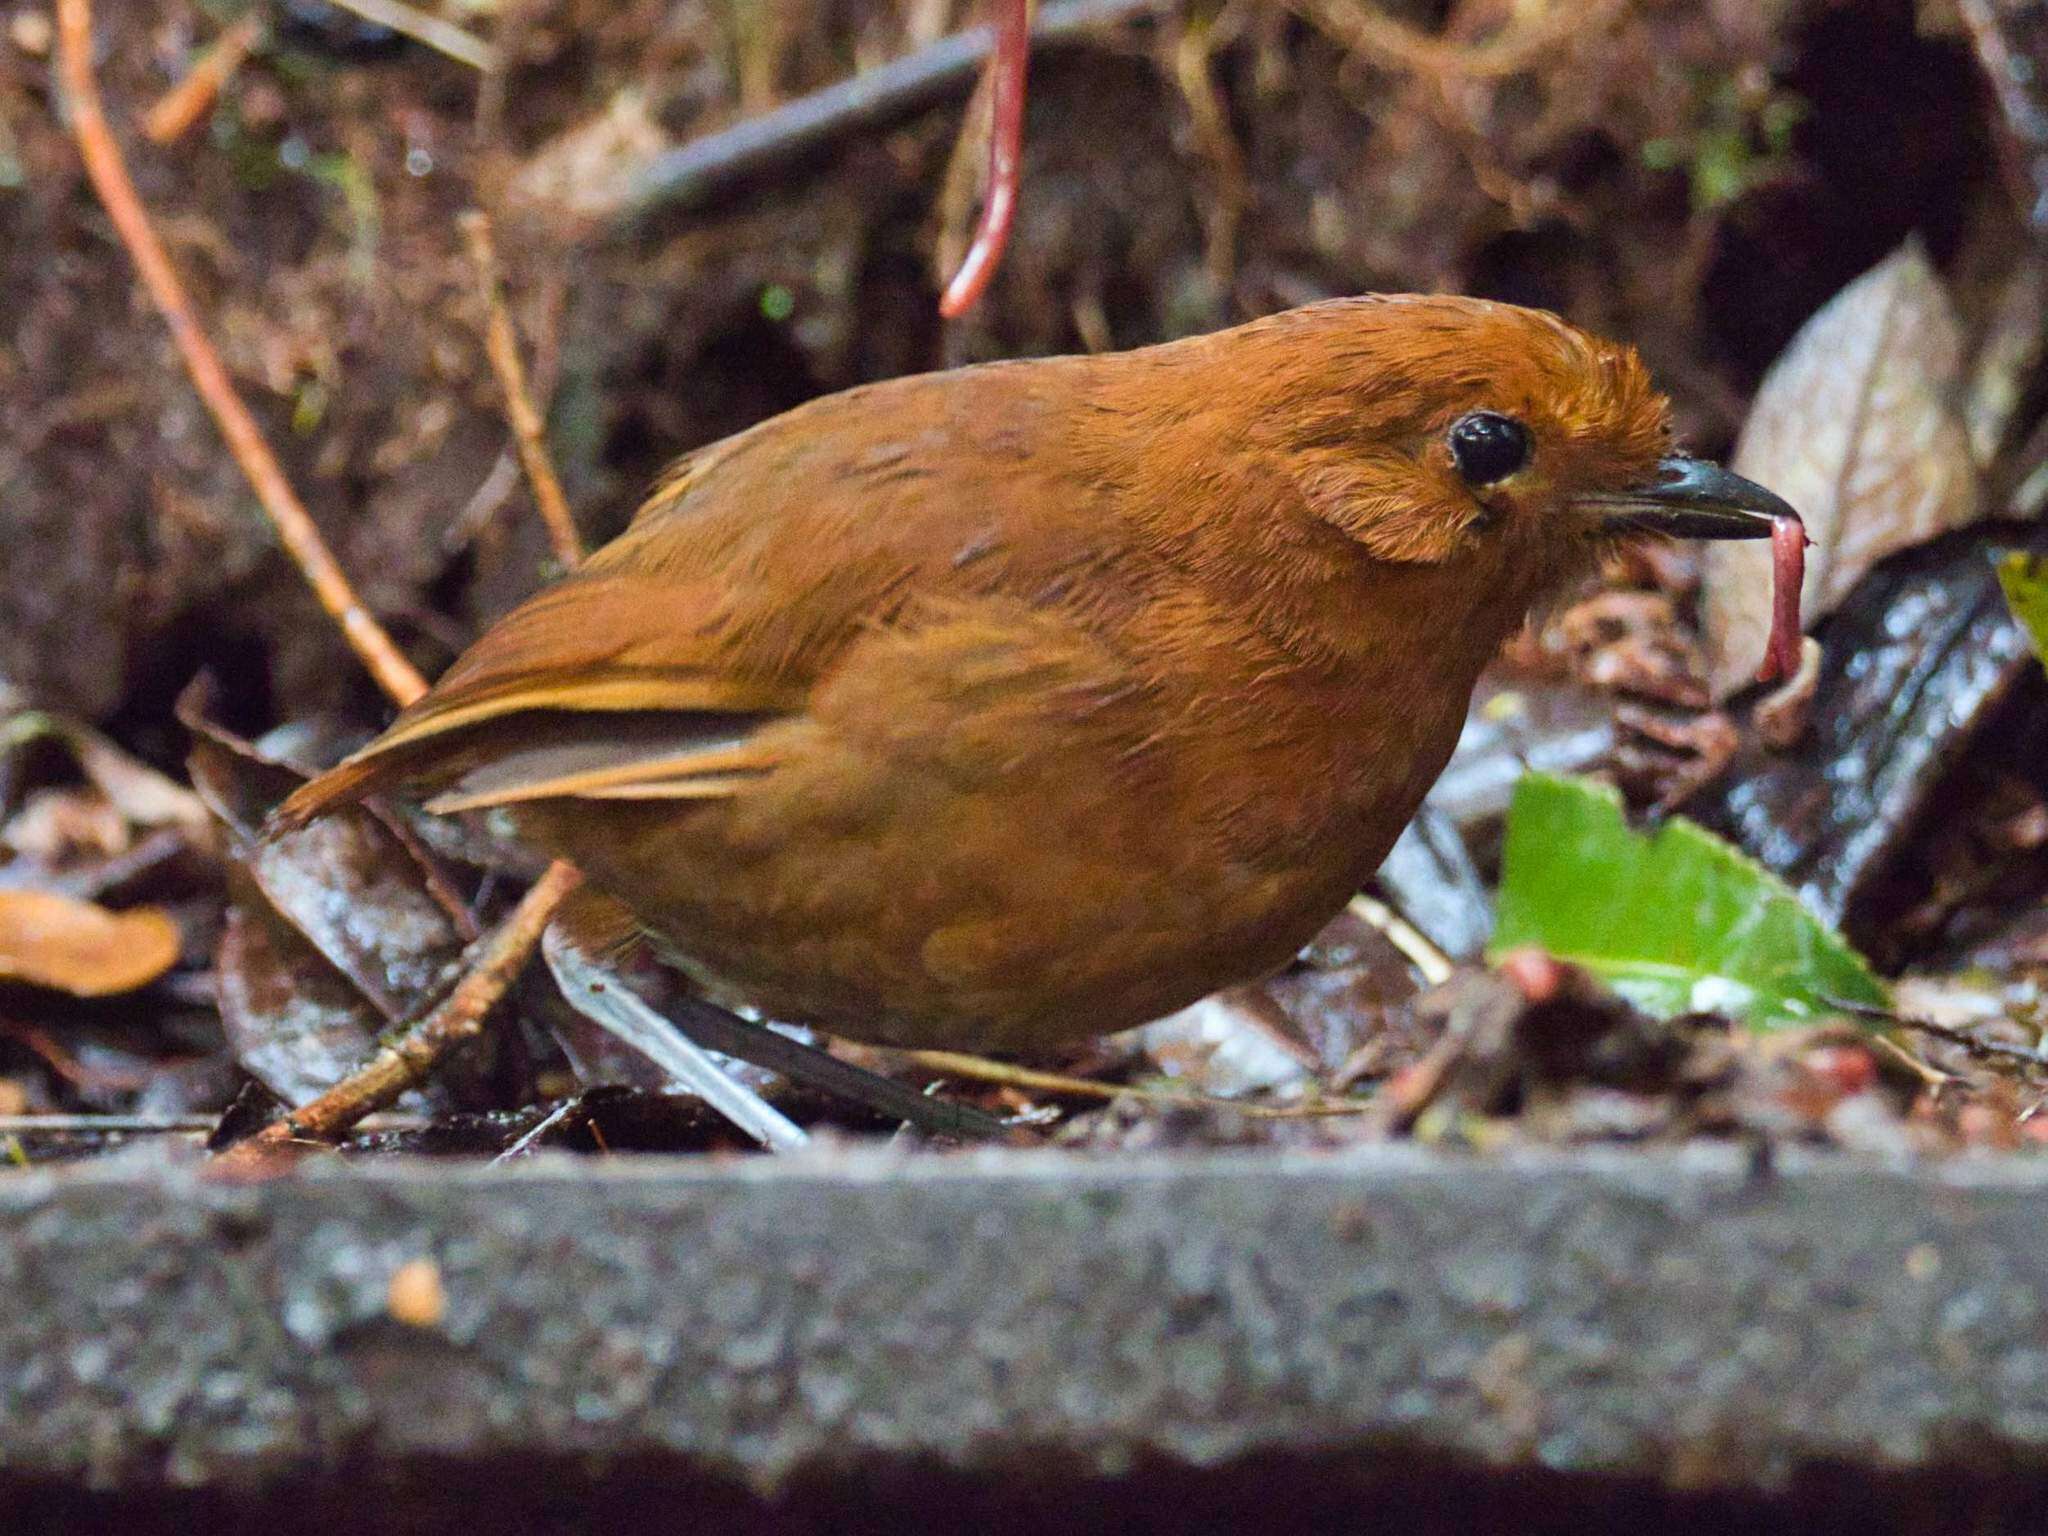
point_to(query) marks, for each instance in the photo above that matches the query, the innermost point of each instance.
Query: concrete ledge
(853, 1339)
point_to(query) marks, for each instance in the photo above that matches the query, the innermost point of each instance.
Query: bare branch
(501, 344)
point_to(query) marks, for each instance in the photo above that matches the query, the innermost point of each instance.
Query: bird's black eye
(1487, 446)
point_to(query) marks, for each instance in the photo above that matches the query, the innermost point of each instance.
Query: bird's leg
(595, 990)
(719, 1029)
(676, 1041)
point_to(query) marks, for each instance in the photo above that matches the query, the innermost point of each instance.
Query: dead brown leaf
(358, 892)
(293, 1022)
(83, 949)
(61, 826)
(333, 932)
(1857, 425)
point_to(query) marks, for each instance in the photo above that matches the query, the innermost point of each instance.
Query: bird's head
(1443, 430)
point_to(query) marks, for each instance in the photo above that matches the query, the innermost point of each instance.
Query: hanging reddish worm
(1005, 153)
(1788, 575)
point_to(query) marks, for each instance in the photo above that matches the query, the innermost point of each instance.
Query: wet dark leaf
(1922, 668)
(348, 883)
(334, 932)
(293, 1022)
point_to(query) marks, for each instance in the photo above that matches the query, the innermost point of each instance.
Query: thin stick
(413, 1056)
(295, 528)
(1983, 1050)
(1974, 1045)
(1004, 1074)
(107, 1125)
(441, 36)
(501, 344)
(1930, 1075)
(1007, 68)
(1416, 947)
(1008, 1075)
(186, 102)
(162, 1125)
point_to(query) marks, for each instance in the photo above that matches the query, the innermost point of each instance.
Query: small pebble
(416, 1296)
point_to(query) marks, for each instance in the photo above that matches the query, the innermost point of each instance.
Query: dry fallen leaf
(62, 826)
(292, 1021)
(80, 948)
(331, 934)
(1857, 425)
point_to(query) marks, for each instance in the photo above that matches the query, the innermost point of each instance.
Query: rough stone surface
(852, 1340)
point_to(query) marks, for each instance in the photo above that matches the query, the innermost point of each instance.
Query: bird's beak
(1692, 499)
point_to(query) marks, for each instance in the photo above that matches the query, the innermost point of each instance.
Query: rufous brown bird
(992, 708)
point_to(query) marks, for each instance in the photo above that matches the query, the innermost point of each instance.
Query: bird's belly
(931, 915)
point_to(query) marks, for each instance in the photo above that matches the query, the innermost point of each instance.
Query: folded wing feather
(602, 720)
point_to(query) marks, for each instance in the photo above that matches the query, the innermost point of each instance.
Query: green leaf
(1678, 922)
(2025, 579)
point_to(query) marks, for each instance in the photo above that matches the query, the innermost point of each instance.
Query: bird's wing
(651, 671)
(611, 684)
